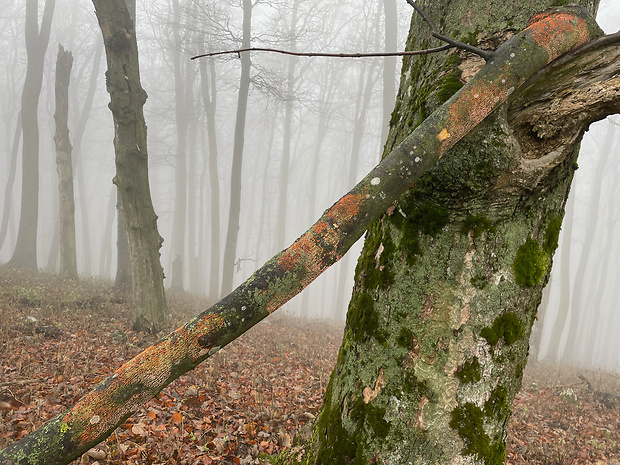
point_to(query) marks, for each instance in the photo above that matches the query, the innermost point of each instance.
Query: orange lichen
(550, 32)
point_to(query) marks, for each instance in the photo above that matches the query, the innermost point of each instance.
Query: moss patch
(552, 234)
(478, 224)
(530, 264)
(505, 326)
(470, 371)
(362, 318)
(468, 421)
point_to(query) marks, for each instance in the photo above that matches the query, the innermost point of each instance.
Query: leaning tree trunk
(449, 279)
(438, 367)
(68, 259)
(127, 99)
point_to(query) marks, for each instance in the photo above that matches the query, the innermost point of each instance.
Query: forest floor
(58, 338)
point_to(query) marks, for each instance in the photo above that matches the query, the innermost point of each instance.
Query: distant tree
(68, 258)
(25, 253)
(127, 101)
(234, 211)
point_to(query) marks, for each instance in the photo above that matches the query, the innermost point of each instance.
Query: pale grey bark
(25, 253)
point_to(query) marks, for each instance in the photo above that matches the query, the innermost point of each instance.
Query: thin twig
(455, 43)
(331, 55)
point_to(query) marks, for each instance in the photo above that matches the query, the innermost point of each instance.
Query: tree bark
(25, 253)
(68, 258)
(436, 358)
(126, 103)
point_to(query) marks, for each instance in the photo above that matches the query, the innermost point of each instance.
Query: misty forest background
(314, 127)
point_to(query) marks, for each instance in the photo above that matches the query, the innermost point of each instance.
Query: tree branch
(101, 411)
(331, 55)
(455, 43)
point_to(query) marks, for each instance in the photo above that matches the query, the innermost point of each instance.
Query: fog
(314, 127)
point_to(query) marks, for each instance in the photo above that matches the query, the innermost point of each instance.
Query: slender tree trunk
(234, 212)
(105, 262)
(68, 258)
(78, 167)
(390, 25)
(209, 100)
(579, 307)
(288, 123)
(127, 100)
(8, 190)
(25, 253)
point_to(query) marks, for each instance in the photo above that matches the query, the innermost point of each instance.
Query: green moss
(370, 416)
(468, 421)
(362, 318)
(470, 371)
(405, 338)
(505, 326)
(450, 84)
(375, 273)
(497, 404)
(421, 219)
(478, 224)
(552, 234)
(336, 444)
(479, 281)
(530, 264)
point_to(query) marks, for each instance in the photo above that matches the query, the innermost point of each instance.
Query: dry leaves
(248, 399)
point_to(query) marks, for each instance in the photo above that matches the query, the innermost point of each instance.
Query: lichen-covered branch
(98, 413)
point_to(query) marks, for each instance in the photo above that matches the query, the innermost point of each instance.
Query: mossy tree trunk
(127, 99)
(449, 280)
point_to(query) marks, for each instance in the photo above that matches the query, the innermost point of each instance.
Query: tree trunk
(234, 212)
(68, 259)
(122, 280)
(288, 123)
(390, 25)
(127, 100)
(439, 350)
(209, 100)
(8, 190)
(579, 306)
(25, 253)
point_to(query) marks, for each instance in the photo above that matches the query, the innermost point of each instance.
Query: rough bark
(127, 99)
(25, 253)
(68, 258)
(96, 415)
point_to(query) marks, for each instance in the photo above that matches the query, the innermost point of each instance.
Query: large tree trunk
(435, 350)
(127, 100)
(25, 253)
(68, 260)
(449, 279)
